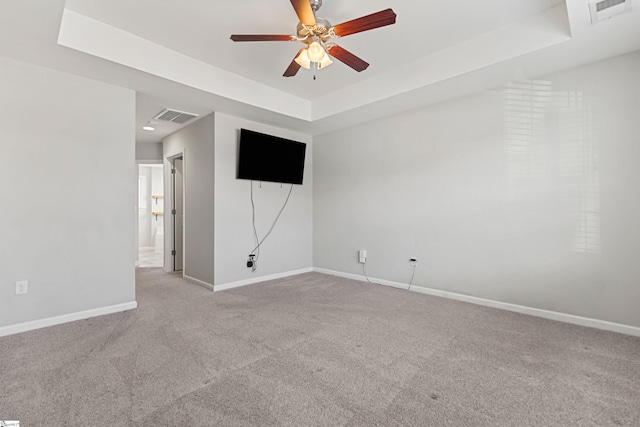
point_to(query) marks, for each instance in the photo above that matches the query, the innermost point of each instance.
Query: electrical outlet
(413, 260)
(362, 256)
(251, 261)
(21, 287)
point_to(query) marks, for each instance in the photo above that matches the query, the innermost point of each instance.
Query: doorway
(150, 235)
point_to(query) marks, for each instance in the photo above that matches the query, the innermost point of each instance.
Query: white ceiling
(201, 30)
(177, 54)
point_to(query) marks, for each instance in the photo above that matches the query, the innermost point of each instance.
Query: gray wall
(149, 151)
(288, 248)
(197, 141)
(527, 195)
(67, 217)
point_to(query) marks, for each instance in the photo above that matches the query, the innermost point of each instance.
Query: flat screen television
(263, 157)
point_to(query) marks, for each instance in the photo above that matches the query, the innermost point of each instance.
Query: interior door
(177, 213)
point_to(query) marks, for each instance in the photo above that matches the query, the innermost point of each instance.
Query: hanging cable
(255, 232)
(258, 243)
(413, 273)
(365, 273)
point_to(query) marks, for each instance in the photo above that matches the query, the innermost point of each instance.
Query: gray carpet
(316, 350)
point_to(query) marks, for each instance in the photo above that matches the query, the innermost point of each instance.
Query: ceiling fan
(316, 33)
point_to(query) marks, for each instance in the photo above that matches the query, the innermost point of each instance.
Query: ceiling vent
(606, 9)
(175, 116)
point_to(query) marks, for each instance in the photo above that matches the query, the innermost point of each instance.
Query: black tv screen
(263, 157)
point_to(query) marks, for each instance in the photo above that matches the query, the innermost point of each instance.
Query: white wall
(196, 140)
(289, 246)
(67, 217)
(528, 195)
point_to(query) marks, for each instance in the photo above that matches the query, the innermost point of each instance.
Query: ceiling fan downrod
(315, 4)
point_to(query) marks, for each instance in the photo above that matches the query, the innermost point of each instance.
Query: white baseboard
(71, 317)
(198, 282)
(362, 278)
(251, 281)
(553, 315)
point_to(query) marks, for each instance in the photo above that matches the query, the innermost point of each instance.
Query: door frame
(169, 235)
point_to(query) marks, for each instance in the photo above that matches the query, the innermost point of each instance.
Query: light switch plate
(22, 287)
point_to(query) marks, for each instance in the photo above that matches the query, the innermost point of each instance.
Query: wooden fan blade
(304, 12)
(365, 23)
(261, 38)
(348, 58)
(293, 67)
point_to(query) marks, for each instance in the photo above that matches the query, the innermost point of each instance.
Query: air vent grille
(606, 4)
(175, 116)
(607, 9)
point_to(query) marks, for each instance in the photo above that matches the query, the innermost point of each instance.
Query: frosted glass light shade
(325, 61)
(315, 52)
(303, 59)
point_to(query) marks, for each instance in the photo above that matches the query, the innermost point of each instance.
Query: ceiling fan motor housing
(321, 31)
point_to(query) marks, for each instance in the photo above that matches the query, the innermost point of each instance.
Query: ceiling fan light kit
(304, 60)
(316, 33)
